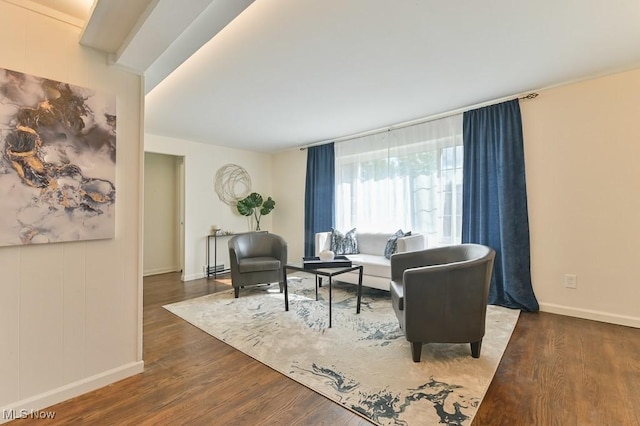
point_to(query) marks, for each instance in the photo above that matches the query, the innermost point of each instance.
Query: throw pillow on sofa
(392, 243)
(344, 243)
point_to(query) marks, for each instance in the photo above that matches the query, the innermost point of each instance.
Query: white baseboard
(158, 271)
(194, 276)
(591, 315)
(55, 396)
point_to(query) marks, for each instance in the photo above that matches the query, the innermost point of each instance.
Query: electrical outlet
(570, 281)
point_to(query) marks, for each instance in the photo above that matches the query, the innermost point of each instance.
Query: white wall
(203, 208)
(289, 170)
(582, 147)
(581, 150)
(161, 213)
(70, 313)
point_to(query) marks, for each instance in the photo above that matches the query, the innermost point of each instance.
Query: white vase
(327, 255)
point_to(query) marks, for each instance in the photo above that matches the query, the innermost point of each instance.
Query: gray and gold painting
(57, 161)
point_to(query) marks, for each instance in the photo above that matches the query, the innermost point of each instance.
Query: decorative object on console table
(255, 205)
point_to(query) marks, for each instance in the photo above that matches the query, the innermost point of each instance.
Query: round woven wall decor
(232, 183)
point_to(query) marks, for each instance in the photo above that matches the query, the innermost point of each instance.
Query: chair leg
(319, 281)
(281, 283)
(416, 351)
(475, 348)
(236, 292)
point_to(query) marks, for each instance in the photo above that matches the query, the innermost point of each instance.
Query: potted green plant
(254, 204)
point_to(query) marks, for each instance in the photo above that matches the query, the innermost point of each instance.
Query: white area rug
(363, 362)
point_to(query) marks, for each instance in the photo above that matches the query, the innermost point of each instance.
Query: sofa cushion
(376, 268)
(374, 265)
(344, 243)
(253, 264)
(372, 243)
(392, 244)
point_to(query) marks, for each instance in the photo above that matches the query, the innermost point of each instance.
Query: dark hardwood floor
(556, 371)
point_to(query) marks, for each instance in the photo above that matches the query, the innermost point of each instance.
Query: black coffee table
(322, 272)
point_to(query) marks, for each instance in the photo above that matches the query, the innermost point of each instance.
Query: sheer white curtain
(408, 178)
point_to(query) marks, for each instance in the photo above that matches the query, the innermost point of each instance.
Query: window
(408, 178)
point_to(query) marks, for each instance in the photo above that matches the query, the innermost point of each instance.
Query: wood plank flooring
(556, 371)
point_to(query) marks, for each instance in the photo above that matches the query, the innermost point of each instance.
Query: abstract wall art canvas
(57, 161)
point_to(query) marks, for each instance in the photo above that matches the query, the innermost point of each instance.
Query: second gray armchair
(440, 295)
(257, 258)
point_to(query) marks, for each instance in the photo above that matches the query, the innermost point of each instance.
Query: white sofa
(376, 268)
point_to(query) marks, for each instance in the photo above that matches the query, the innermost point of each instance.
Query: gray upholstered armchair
(257, 258)
(440, 295)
